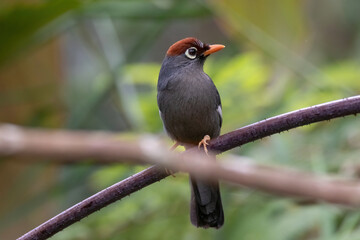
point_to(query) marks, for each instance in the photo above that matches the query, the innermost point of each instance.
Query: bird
(190, 109)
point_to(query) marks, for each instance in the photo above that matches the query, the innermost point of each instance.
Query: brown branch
(287, 121)
(260, 178)
(95, 203)
(235, 170)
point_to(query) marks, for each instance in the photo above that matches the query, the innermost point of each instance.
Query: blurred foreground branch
(107, 147)
(69, 145)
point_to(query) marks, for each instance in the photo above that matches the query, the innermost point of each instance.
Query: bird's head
(190, 51)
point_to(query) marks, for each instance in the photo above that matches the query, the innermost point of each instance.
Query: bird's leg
(176, 144)
(204, 143)
(168, 171)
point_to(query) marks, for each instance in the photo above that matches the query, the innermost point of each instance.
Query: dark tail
(206, 208)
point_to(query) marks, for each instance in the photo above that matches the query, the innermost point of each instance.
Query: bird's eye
(191, 52)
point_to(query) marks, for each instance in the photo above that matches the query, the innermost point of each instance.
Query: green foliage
(283, 65)
(21, 24)
(142, 77)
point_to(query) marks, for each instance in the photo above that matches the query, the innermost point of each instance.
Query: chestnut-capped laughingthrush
(190, 109)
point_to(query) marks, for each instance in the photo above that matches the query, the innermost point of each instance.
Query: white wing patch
(219, 110)
(161, 116)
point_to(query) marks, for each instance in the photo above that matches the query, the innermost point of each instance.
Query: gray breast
(189, 108)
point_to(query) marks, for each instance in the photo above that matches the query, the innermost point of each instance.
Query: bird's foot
(204, 143)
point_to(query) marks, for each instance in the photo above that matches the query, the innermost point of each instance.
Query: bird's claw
(204, 143)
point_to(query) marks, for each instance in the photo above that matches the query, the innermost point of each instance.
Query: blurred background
(93, 65)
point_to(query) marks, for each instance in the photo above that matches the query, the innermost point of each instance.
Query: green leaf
(20, 23)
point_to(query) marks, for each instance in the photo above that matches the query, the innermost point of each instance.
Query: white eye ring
(190, 53)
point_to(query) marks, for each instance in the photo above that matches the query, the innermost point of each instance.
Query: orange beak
(213, 48)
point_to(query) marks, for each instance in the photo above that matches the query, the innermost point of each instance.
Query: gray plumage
(190, 108)
(196, 99)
